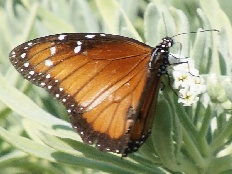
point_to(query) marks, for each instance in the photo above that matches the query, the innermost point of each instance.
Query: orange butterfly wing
(103, 80)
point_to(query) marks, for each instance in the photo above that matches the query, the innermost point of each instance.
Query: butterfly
(109, 84)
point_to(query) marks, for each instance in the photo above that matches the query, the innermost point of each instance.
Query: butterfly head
(168, 42)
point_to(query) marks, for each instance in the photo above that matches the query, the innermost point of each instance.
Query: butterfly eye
(108, 83)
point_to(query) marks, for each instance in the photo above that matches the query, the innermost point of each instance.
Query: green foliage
(191, 140)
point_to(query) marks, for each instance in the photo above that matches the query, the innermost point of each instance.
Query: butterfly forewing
(100, 79)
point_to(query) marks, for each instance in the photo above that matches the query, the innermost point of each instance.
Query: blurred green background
(35, 133)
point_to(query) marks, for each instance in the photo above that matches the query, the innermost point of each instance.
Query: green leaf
(29, 110)
(162, 134)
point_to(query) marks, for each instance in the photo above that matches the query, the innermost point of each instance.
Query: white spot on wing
(32, 72)
(26, 64)
(48, 76)
(79, 42)
(90, 36)
(102, 34)
(48, 62)
(42, 84)
(107, 149)
(29, 43)
(53, 50)
(61, 37)
(77, 49)
(23, 55)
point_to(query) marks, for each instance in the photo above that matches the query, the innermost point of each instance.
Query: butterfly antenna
(165, 25)
(196, 32)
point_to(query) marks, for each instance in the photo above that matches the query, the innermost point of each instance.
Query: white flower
(199, 84)
(181, 79)
(188, 97)
(186, 79)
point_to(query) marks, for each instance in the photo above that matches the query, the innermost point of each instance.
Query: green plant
(191, 140)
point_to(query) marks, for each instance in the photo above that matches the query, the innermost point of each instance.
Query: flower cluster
(187, 80)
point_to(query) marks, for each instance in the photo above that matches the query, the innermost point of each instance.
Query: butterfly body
(108, 83)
